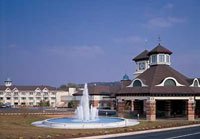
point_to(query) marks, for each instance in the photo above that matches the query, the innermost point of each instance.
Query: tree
(72, 104)
(44, 103)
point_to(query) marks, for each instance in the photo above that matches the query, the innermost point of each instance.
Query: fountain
(86, 118)
(83, 112)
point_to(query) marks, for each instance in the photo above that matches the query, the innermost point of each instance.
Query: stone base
(151, 117)
(191, 117)
(120, 114)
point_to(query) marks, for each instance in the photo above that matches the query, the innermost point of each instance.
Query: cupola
(142, 62)
(125, 81)
(8, 82)
(159, 56)
(125, 77)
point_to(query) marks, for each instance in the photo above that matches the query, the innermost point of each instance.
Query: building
(158, 90)
(32, 95)
(101, 96)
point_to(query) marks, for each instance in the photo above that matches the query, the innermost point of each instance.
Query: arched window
(196, 83)
(137, 83)
(170, 82)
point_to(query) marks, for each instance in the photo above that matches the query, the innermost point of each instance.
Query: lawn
(19, 127)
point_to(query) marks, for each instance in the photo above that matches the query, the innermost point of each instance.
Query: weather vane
(145, 43)
(159, 40)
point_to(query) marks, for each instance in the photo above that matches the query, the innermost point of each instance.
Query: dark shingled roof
(154, 76)
(27, 88)
(100, 90)
(142, 56)
(160, 49)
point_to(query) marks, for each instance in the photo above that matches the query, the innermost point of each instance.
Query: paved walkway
(136, 132)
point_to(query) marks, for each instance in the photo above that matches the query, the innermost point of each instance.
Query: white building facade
(31, 95)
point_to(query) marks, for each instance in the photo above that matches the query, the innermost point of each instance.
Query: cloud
(168, 6)
(86, 51)
(12, 46)
(130, 40)
(161, 22)
(76, 51)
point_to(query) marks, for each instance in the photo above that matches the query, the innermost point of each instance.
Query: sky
(54, 42)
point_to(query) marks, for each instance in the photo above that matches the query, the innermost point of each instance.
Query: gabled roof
(142, 56)
(160, 49)
(156, 75)
(27, 88)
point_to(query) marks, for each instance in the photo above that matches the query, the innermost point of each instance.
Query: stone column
(167, 108)
(120, 107)
(191, 109)
(95, 103)
(132, 105)
(151, 110)
(112, 104)
(144, 106)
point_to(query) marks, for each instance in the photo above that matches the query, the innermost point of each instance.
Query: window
(30, 103)
(30, 98)
(167, 58)
(196, 83)
(15, 93)
(38, 98)
(45, 94)
(53, 93)
(170, 82)
(52, 103)
(38, 94)
(161, 58)
(23, 93)
(137, 83)
(23, 98)
(153, 58)
(45, 98)
(8, 98)
(53, 98)
(30, 93)
(1, 98)
(1, 93)
(15, 98)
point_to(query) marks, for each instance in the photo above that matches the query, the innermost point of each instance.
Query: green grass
(19, 127)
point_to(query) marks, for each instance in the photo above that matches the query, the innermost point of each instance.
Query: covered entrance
(171, 108)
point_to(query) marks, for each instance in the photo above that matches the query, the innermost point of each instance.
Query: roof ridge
(152, 85)
(183, 76)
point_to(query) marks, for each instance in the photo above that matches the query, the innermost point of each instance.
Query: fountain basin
(73, 123)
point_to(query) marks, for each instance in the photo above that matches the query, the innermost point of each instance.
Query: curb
(136, 132)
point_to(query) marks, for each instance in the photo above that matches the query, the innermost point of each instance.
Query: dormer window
(195, 83)
(137, 83)
(169, 82)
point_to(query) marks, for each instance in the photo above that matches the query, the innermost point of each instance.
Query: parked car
(6, 105)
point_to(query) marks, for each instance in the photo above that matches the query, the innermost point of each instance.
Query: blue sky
(55, 42)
